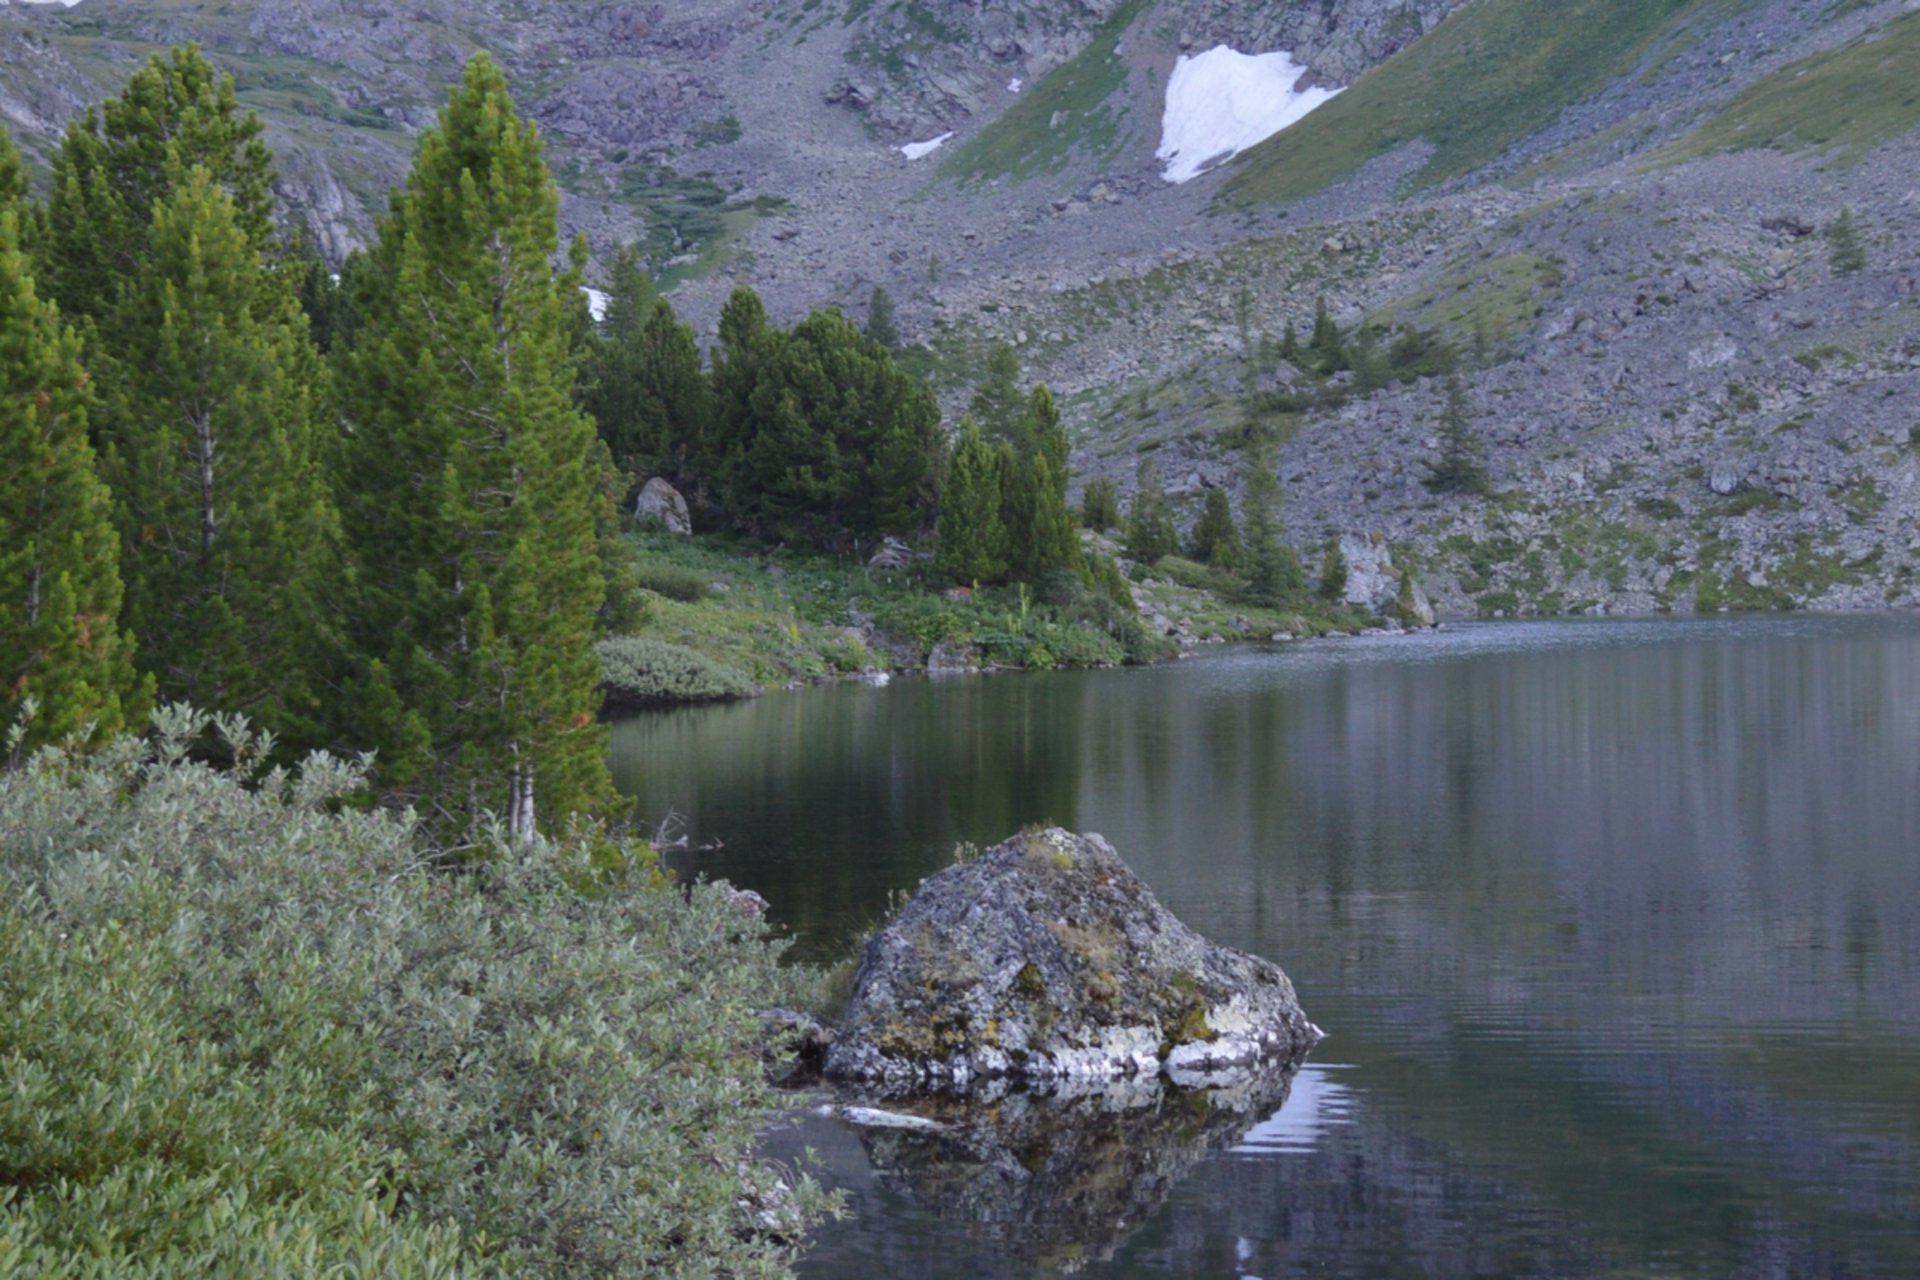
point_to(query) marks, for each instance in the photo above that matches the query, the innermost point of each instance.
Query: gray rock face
(1048, 960)
(1373, 582)
(660, 501)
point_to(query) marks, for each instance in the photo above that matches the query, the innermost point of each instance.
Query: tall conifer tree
(1150, 533)
(746, 342)
(971, 547)
(60, 638)
(468, 489)
(997, 407)
(175, 113)
(208, 427)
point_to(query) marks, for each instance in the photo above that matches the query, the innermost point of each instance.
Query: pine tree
(468, 488)
(844, 446)
(1367, 361)
(1216, 538)
(1150, 533)
(13, 177)
(1290, 344)
(208, 432)
(175, 114)
(1326, 345)
(746, 342)
(1274, 576)
(1100, 505)
(1041, 429)
(971, 546)
(881, 325)
(1845, 253)
(1460, 468)
(60, 638)
(643, 384)
(997, 406)
(1054, 541)
(1333, 573)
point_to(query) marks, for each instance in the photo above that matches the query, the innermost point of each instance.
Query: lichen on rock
(1046, 959)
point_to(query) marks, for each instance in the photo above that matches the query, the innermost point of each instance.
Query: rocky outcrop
(1374, 582)
(1048, 960)
(661, 503)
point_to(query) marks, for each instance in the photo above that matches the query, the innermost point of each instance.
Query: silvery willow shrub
(638, 672)
(246, 1030)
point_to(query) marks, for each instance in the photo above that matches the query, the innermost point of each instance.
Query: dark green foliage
(1461, 467)
(1216, 538)
(1290, 344)
(997, 406)
(1333, 573)
(972, 544)
(844, 444)
(1367, 361)
(468, 489)
(1150, 533)
(13, 173)
(642, 383)
(175, 114)
(623, 608)
(881, 326)
(651, 399)
(1326, 349)
(1274, 576)
(1056, 541)
(323, 299)
(250, 1033)
(746, 340)
(1420, 353)
(671, 581)
(211, 401)
(1033, 492)
(1100, 505)
(639, 672)
(1845, 253)
(60, 638)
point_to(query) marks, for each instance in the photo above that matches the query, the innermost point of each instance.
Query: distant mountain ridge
(1620, 202)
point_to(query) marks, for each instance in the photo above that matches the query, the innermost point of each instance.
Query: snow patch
(914, 150)
(68, 3)
(1013, 85)
(1221, 102)
(596, 303)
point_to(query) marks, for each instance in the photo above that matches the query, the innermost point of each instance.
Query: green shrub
(673, 581)
(245, 1032)
(638, 672)
(924, 619)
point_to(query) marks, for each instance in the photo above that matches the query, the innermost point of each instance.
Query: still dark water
(1614, 928)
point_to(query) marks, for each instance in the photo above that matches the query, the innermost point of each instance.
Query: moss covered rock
(1047, 959)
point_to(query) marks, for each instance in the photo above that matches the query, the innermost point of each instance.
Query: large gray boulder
(661, 503)
(1047, 960)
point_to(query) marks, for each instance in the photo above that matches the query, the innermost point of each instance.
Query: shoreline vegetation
(362, 968)
(729, 617)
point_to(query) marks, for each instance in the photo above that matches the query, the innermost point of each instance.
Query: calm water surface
(1614, 927)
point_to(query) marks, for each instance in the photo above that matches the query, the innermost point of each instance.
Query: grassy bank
(727, 609)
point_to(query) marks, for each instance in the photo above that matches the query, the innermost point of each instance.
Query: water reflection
(1616, 927)
(1059, 1181)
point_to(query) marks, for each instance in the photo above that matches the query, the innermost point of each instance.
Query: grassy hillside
(1024, 141)
(1487, 77)
(1848, 100)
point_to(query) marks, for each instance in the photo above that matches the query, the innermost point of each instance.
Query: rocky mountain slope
(1617, 208)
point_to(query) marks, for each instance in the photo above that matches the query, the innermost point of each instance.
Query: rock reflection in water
(1061, 1179)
